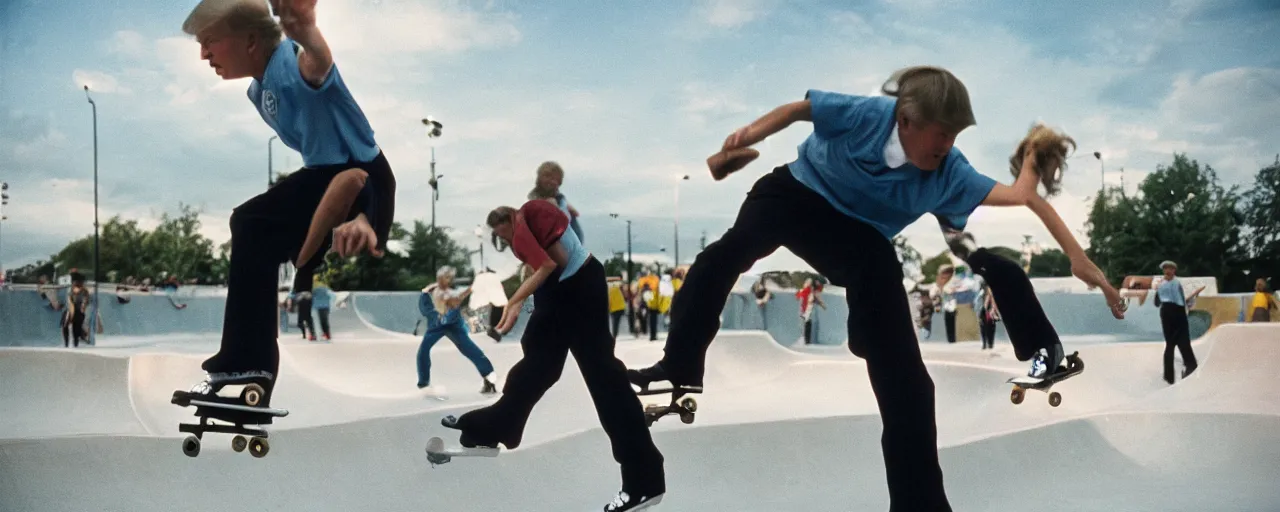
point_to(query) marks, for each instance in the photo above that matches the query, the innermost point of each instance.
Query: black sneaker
(625, 501)
(646, 376)
(488, 388)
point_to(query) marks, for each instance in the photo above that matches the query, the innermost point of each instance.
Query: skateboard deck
(234, 411)
(685, 407)
(1074, 366)
(439, 453)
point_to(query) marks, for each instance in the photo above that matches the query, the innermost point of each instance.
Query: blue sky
(626, 95)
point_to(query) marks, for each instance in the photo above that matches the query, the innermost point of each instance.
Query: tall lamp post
(4, 200)
(434, 130)
(93, 322)
(677, 225)
(1102, 176)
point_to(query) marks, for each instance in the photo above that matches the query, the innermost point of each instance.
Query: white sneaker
(437, 392)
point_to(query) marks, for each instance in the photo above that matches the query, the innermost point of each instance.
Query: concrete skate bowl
(55, 393)
(311, 402)
(783, 466)
(775, 447)
(27, 320)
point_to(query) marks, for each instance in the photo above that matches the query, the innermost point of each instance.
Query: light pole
(630, 272)
(270, 175)
(434, 130)
(480, 235)
(1102, 177)
(4, 200)
(677, 225)
(93, 322)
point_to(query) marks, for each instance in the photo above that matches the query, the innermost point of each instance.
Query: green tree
(1261, 208)
(1181, 213)
(1050, 263)
(177, 248)
(930, 266)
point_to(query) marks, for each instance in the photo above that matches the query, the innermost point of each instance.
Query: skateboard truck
(232, 410)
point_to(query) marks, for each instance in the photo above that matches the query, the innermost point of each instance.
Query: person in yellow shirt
(1263, 302)
(617, 304)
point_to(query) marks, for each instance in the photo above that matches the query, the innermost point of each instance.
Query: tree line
(1181, 212)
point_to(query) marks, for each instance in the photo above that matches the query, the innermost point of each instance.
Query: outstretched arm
(1023, 193)
(769, 124)
(298, 19)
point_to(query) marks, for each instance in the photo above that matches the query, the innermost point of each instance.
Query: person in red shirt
(571, 314)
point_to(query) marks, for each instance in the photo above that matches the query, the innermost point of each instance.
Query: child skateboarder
(571, 316)
(346, 184)
(872, 166)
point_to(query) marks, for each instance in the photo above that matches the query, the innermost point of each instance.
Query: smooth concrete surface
(779, 429)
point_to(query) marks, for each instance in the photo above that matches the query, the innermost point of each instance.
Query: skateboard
(685, 407)
(1074, 365)
(238, 411)
(438, 453)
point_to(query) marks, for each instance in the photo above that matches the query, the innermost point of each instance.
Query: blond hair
(1051, 149)
(929, 94)
(240, 16)
(546, 168)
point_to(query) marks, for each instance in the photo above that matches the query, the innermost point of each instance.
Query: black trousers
(1177, 333)
(572, 317)
(949, 320)
(495, 315)
(653, 316)
(1024, 319)
(323, 313)
(305, 321)
(74, 330)
(267, 231)
(780, 211)
(988, 328)
(616, 316)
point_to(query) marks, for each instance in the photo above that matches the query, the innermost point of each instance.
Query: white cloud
(732, 13)
(403, 26)
(128, 43)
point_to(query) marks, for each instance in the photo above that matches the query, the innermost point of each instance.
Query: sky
(627, 96)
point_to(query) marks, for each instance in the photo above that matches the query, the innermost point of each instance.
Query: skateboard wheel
(238, 443)
(439, 458)
(1055, 399)
(1016, 396)
(191, 446)
(252, 394)
(258, 447)
(690, 404)
(686, 418)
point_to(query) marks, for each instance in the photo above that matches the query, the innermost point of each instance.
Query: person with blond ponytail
(1039, 160)
(872, 166)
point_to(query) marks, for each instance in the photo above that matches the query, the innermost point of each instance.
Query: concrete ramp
(47, 393)
(780, 429)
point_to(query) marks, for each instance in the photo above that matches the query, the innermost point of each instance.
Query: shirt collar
(894, 155)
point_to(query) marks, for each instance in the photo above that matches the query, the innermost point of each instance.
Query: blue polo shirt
(322, 123)
(843, 161)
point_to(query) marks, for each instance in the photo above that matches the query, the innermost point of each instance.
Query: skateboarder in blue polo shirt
(872, 166)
